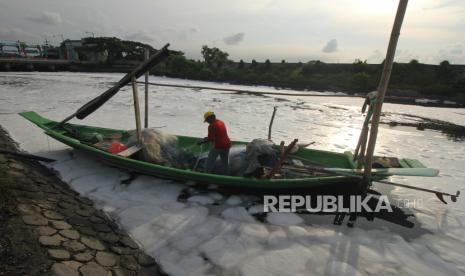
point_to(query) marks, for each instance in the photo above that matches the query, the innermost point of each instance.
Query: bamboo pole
(146, 118)
(282, 158)
(271, 122)
(97, 102)
(361, 140)
(136, 110)
(382, 87)
(361, 145)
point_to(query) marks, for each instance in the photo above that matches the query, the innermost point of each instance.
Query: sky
(293, 30)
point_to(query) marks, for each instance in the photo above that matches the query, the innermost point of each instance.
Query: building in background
(51, 52)
(70, 52)
(10, 48)
(32, 51)
(81, 50)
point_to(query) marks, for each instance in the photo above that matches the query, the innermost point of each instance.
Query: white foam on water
(213, 233)
(204, 200)
(233, 200)
(283, 219)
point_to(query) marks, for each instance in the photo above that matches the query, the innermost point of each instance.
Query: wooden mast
(97, 102)
(382, 87)
(271, 122)
(146, 119)
(136, 110)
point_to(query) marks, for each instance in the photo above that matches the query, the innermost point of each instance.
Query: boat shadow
(401, 220)
(396, 219)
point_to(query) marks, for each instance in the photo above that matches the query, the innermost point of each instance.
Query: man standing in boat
(217, 134)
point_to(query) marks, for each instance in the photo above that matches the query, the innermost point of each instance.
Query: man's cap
(208, 114)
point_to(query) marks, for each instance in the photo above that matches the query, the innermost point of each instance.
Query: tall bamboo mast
(146, 111)
(382, 87)
(135, 95)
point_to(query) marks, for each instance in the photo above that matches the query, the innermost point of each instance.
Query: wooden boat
(331, 167)
(337, 162)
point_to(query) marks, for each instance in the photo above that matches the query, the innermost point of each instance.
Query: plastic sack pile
(247, 160)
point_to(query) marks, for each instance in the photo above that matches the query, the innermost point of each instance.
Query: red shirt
(218, 134)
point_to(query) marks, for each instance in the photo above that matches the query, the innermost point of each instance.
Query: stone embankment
(46, 228)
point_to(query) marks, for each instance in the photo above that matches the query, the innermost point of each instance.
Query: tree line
(409, 79)
(444, 80)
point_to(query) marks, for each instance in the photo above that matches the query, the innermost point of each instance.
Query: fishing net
(161, 148)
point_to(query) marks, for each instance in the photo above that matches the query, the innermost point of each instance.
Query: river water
(197, 231)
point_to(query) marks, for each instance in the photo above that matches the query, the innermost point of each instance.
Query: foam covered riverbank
(204, 231)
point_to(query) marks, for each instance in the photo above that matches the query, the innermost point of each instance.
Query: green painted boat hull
(326, 158)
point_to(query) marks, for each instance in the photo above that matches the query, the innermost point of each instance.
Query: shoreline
(48, 228)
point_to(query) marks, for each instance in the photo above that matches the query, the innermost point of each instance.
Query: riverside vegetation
(414, 79)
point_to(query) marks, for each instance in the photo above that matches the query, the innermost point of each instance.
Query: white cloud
(331, 46)
(275, 30)
(46, 17)
(234, 39)
(444, 4)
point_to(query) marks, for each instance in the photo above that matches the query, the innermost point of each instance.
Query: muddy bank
(452, 131)
(46, 228)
